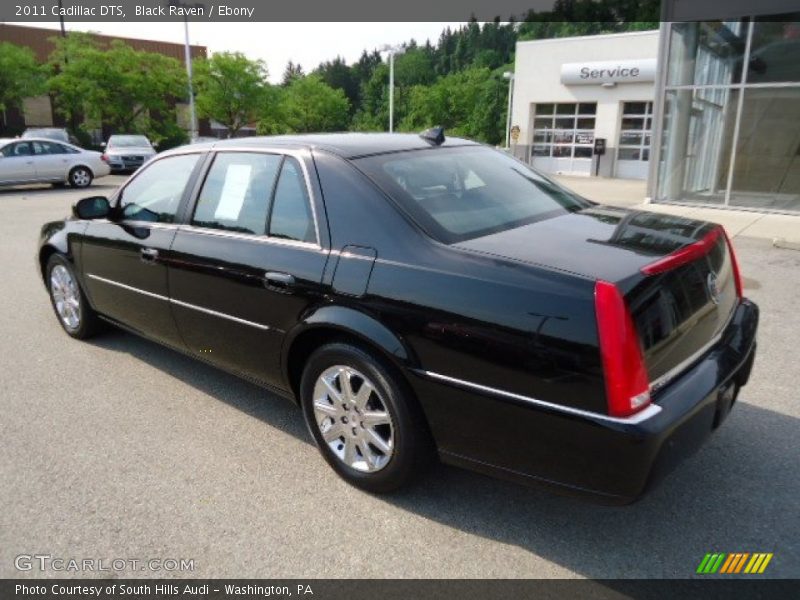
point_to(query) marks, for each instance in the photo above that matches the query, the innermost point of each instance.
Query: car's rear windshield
(460, 193)
(128, 141)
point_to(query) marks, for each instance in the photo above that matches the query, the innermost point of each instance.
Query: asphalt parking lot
(119, 448)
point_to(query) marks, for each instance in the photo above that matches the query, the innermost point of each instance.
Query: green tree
(230, 89)
(291, 72)
(309, 104)
(20, 76)
(125, 89)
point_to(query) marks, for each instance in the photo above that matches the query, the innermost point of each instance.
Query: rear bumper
(613, 462)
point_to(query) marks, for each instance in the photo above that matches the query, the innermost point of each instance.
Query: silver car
(128, 152)
(39, 160)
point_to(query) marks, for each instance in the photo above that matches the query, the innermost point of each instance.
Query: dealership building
(706, 111)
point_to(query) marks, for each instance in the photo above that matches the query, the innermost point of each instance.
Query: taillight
(737, 275)
(627, 383)
(684, 255)
(104, 158)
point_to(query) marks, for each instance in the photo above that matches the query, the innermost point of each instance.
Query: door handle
(278, 281)
(148, 255)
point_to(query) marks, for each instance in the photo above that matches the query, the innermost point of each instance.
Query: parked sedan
(57, 134)
(127, 152)
(39, 160)
(420, 296)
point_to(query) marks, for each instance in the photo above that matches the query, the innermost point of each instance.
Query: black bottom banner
(390, 589)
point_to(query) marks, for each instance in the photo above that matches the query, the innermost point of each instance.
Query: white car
(39, 160)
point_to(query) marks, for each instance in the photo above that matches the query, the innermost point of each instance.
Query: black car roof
(346, 145)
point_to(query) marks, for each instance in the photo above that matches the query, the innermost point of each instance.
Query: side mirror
(95, 207)
(155, 144)
(102, 144)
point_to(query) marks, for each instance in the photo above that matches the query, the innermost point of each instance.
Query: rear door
(123, 258)
(50, 160)
(249, 261)
(16, 164)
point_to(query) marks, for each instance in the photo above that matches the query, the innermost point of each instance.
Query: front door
(123, 258)
(248, 263)
(16, 164)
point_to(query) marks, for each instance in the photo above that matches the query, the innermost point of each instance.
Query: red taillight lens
(685, 255)
(627, 383)
(737, 275)
(104, 158)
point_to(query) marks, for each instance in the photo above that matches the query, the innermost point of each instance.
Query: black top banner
(40, 11)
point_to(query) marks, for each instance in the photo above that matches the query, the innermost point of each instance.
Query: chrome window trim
(643, 415)
(207, 311)
(250, 237)
(300, 156)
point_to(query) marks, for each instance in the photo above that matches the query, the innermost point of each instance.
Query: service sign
(609, 71)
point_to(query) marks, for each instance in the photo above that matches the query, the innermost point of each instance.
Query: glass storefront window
(775, 50)
(730, 128)
(766, 171)
(706, 53)
(698, 129)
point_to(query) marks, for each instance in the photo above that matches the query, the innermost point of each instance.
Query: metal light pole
(187, 52)
(510, 76)
(392, 50)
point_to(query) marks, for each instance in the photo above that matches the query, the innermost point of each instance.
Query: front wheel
(364, 418)
(69, 302)
(80, 177)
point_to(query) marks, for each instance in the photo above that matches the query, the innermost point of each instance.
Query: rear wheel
(363, 418)
(80, 177)
(68, 300)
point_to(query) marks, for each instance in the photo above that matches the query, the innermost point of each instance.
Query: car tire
(69, 302)
(80, 177)
(385, 443)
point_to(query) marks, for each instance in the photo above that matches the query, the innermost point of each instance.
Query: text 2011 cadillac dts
(419, 297)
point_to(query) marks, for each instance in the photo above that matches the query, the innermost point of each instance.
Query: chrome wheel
(66, 296)
(353, 419)
(81, 178)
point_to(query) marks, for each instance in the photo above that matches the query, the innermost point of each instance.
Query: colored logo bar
(735, 562)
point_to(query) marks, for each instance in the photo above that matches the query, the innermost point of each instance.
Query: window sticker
(234, 190)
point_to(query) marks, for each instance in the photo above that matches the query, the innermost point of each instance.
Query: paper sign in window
(237, 180)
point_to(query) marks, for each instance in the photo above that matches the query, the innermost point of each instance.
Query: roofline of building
(584, 37)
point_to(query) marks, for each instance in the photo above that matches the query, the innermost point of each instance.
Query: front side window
(154, 195)
(291, 216)
(236, 193)
(18, 149)
(457, 194)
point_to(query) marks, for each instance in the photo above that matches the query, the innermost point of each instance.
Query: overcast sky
(275, 43)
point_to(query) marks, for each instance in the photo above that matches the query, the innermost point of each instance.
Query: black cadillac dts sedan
(422, 297)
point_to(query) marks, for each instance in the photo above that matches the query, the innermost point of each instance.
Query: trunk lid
(678, 311)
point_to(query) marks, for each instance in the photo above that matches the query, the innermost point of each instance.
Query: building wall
(39, 112)
(537, 74)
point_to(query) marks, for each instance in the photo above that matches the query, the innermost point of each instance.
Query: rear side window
(236, 193)
(291, 216)
(462, 193)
